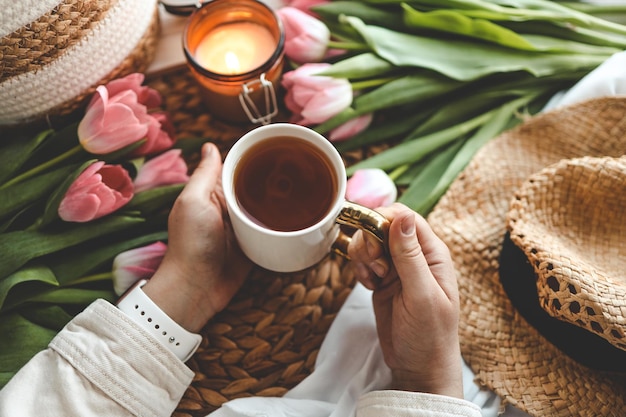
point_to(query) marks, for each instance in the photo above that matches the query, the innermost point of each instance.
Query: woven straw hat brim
(504, 351)
(569, 219)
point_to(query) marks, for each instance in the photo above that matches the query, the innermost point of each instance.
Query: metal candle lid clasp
(251, 109)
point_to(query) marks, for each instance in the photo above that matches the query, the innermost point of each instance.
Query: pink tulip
(160, 136)
(371, 188)
(306, 38)
(135, 264)
(118, 116)
(313, 99)
(147, 96)
(99, 190)
(305, 5)
(350, 128)
(166, 169)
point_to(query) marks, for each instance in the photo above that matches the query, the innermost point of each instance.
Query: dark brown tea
(285, 184)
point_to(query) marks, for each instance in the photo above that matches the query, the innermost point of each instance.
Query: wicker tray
(267, 339)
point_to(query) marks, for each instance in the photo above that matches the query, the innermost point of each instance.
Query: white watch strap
(138, 306)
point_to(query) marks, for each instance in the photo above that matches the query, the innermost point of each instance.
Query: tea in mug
(285, 184)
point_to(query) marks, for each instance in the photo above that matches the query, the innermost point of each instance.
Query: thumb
(206, 175)
(406, 253)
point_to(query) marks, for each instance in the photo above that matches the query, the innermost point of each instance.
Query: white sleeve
(414, 404)
(101, 364)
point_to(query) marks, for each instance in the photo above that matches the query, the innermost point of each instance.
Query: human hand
(203, 267)
(415, 301)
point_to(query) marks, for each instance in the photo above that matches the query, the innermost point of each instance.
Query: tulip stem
(42, 167)
(92, 278)
(396, 173)
(361, 85)
(351, 46)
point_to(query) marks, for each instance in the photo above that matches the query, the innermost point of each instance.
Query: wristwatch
(139, 307)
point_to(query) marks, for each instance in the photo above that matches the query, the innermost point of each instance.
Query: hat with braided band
(54, 53)
(536, 225)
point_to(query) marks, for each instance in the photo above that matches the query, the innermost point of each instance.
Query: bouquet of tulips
(439, 77)
(83, 213)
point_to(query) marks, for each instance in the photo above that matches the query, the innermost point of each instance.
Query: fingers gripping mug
(284, 186)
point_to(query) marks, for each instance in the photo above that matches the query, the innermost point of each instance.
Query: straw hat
(54, 53)
(536, 225)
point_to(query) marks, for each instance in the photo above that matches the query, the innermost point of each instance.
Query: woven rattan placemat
(267, 339)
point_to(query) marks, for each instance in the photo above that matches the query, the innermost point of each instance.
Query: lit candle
(235, 48)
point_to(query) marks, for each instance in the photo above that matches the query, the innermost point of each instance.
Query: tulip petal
(135, 264)
(168, 168)
(371, 188)
(350, 128)
(99, 190)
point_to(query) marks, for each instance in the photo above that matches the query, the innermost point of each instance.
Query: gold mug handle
(360, 217)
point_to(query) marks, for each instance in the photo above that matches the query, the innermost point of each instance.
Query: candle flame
(232, 62)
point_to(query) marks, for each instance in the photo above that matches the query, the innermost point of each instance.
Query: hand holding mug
(203, 266)
(416, 303)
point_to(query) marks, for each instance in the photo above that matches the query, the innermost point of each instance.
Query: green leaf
(372, 15)
(21, 340)
(15, 284)
(452, 21)
(423, 200)
(416, 149)
(70, 268)
(48, 316)
(18, 196)
(417, 88)
(414, 89)
(422, 185)
(450, 57)
(16, 153)
(154, 200)
(17, 248)
(383, 130)
(77, 296)
(365, 65)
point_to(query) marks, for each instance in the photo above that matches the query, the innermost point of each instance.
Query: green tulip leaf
(454, 22)
(17, 248)
(73, 296)
(70, 266)
(19, 285)
(360, 66)
(331, 11)
(450, 57)
(19, 195)
(423, 183)
(16, 153)
(156, 199)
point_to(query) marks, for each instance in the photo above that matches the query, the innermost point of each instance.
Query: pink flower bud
(306, 38)
(313, 99)
(117, 116)
(135, 264)
(371, 188)
(350, 128)
(99, 190)
(166, 169)
(160, 137)
(147, 96)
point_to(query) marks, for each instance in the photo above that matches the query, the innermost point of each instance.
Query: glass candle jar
(235, 50)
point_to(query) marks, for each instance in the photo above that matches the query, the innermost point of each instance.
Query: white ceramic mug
(299, 249)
